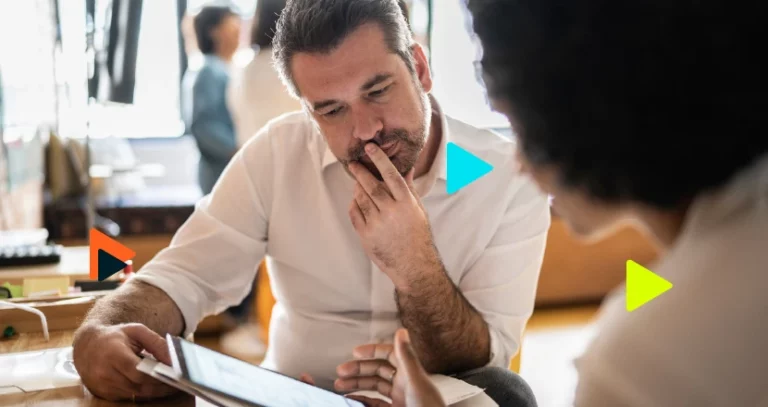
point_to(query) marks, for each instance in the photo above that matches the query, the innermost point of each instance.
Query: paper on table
(453, 390)
(37, 370)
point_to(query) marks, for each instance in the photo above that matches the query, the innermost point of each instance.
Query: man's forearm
(138, 302)
(449, 335)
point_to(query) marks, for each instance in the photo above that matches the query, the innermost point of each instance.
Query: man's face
(361, 92)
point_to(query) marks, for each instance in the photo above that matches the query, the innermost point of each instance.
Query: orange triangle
(100, 241)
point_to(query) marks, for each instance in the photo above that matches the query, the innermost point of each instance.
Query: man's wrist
(428, 277)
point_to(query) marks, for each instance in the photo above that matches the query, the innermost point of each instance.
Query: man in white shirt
(348, 200)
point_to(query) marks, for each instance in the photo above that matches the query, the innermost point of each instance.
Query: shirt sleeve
(215, 138)
(501, 284)
(212, 260)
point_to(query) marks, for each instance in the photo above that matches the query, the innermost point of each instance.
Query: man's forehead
(360, 57)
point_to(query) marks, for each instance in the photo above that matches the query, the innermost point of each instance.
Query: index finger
(149, 340)
(389, 172)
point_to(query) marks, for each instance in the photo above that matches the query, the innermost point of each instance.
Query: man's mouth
(391, 149)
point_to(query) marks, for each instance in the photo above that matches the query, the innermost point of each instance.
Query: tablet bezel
(179, 364)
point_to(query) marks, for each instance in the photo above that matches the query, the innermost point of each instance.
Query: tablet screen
(253, 384)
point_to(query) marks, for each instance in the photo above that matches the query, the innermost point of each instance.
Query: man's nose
(366, 125)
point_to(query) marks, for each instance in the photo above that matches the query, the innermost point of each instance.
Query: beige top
(704, 342)
(256, 95)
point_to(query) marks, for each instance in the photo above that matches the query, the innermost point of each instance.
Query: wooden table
(70, 396)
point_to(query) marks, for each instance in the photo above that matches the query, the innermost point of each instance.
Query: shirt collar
(439, 167)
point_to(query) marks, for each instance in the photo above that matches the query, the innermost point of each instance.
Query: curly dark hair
(649, 101)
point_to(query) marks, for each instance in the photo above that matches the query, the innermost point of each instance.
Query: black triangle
(108, 265)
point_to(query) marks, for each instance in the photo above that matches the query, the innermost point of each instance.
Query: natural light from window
(454, 54)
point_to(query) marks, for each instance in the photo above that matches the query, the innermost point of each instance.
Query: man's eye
(333, 112)
(377, 93)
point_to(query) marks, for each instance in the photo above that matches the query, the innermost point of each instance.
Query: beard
(409, 145)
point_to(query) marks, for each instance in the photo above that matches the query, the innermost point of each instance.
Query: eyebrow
(366, 86)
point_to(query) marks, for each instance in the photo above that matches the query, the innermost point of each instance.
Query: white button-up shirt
(286, 196)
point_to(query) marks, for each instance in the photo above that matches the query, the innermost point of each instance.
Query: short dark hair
(265, 22)
(205, 22)
(650, 101)
(321, 25)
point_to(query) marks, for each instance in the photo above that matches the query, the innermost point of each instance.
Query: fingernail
(370, 147)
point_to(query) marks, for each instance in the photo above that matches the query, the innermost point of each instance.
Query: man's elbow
(474, 356)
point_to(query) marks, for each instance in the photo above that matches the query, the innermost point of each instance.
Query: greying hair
(319, 26)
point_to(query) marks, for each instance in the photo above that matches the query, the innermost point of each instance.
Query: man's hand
(106, 359)
(393, 371)
(391, 222)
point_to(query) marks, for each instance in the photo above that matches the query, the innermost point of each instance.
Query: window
(454, 56)
(158, 74)
(155, 110)
(244, 7)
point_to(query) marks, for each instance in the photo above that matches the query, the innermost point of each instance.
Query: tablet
(247, 383)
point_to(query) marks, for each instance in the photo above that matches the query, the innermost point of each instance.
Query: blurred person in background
(257, 95)
(217, 30)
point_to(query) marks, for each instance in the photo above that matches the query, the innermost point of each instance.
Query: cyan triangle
(109, 265)
(464, 168)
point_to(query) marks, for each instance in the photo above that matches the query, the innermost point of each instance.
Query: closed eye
(333, 112)
(379, 92)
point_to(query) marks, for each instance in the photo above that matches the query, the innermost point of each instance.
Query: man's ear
(421, 64)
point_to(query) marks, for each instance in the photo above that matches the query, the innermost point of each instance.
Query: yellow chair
(514, 364)
(264, 301)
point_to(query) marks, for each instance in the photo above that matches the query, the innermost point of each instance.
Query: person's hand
(391, 221)
(106, 357)
(307, 378)
(393, 371)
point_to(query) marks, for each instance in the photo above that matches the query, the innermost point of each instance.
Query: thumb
(408, 361)
(149, 340)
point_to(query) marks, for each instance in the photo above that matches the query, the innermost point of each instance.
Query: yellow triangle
(643, 285)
